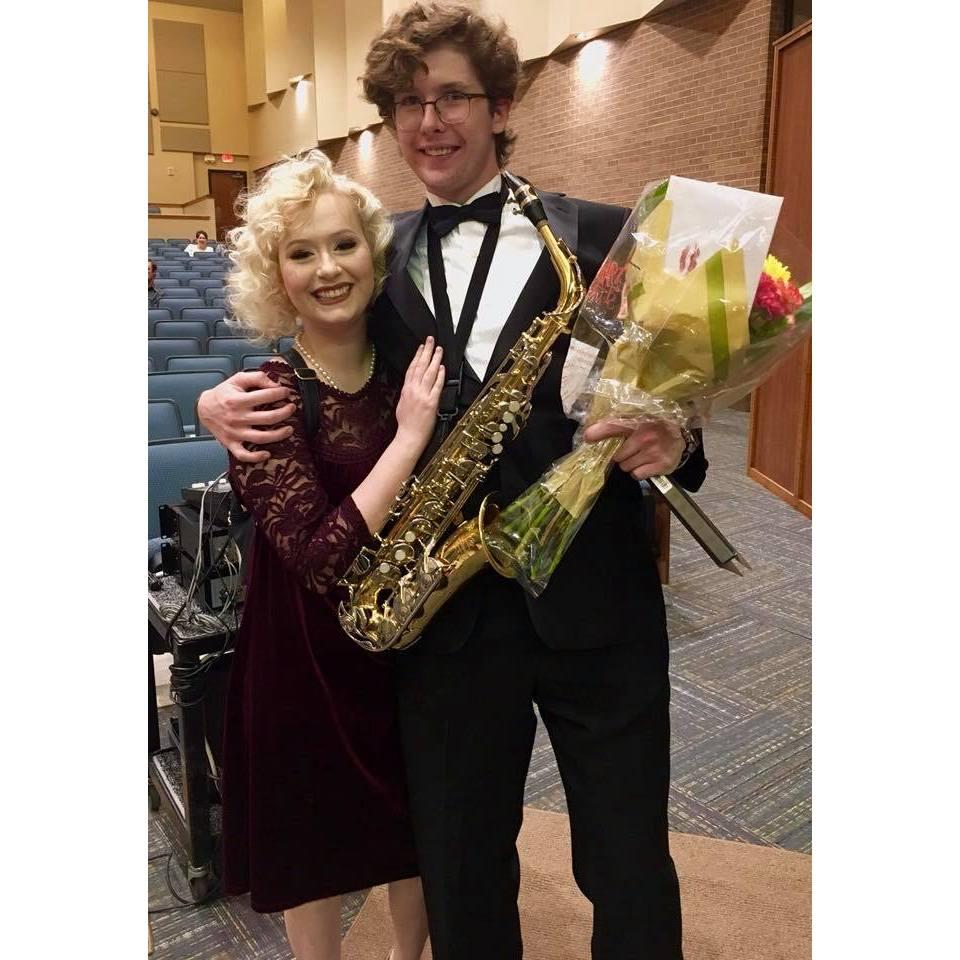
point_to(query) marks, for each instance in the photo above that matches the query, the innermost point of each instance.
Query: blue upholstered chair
(175, 464)
(209, 315)
(253, 361)
(235, 347)
(163, 420)
(178, 304)
(182, 328)
(203, 362)
(156, 315)
(202, 283)
(162, 348)
(226, 328)
(183, 387)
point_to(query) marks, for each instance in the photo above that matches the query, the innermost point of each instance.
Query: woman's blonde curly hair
(255, 291)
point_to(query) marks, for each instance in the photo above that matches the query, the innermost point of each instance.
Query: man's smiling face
(452, 160)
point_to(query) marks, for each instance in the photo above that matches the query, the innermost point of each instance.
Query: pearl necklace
(324, 374)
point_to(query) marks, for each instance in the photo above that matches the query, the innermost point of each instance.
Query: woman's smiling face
(326, 263)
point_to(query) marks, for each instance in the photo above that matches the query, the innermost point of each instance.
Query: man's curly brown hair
(397, 53)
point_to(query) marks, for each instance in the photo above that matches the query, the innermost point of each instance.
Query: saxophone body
(425, 551)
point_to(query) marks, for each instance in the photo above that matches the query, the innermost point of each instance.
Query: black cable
(183, 679)
(183, 904)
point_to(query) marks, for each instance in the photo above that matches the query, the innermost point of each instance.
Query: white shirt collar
(492, 186)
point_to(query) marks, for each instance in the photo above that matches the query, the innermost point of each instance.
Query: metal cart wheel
(200, 887)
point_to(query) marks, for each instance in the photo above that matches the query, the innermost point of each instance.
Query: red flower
(790, 295)
(776, 298)
(768, 297)
(607, 285)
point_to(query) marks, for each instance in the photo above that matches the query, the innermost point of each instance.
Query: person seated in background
(199, 244)
(314, 795)
(153, 295)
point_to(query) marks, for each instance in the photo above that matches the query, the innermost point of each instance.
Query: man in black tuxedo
(591, 652)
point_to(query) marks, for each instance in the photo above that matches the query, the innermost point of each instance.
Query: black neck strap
(454, 343)
(308, 384)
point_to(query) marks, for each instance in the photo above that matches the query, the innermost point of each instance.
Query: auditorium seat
(218, 303)
(228, 328)
(177, 304)
(182, 328)
(235, 347)
(175, 464)
(161, 348)
(202, 269)
(202, 283)
(213, 293)
(162, 283)
(183, 387)
(150, 365)
(284, 343)
(181, 291)
(163, 420)
(209, 315)
(185, 275)
(253, 361)
(155, 315)
(204, 361)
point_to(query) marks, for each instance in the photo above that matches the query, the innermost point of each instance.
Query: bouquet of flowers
(686, 315)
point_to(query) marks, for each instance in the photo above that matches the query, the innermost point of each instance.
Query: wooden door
(225, 187)
(780, 410)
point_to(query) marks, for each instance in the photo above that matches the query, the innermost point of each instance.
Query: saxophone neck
(564, 262)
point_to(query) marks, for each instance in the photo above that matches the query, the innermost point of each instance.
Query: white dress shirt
(518, 249)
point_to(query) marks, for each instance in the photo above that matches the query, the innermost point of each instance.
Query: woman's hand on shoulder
(420, 396)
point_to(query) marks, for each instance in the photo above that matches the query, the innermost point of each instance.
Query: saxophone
(396, 586)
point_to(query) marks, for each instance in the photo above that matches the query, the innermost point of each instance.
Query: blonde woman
(314, 797)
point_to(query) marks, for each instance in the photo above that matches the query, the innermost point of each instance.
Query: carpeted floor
(740, 901)
(740, 668)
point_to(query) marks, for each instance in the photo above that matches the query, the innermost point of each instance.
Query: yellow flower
(776, 269)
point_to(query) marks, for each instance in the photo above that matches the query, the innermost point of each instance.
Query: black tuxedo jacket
(606, 589)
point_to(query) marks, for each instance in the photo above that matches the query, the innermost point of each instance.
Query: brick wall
(683, 92)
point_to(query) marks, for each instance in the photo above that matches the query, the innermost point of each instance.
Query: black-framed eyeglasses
(452, 108)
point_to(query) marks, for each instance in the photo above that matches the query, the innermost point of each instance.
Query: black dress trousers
(468, 725)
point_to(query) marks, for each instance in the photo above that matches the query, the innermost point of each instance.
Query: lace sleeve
(315, 539)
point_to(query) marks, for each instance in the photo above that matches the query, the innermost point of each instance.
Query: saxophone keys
(410, 536)
(385, 567)
(497, 437)
(508, 417)
(497, 448)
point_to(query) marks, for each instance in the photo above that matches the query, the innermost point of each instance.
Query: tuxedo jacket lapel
(399, 287)
(542, 284)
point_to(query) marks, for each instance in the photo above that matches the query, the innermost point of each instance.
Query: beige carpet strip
(740, 901)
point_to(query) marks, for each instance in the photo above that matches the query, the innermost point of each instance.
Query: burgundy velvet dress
(314, 799)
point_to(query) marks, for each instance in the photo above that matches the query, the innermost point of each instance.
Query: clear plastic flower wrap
(686, 315)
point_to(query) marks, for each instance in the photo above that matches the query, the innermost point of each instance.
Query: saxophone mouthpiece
(526, 198)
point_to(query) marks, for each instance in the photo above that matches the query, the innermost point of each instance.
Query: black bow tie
(485, 209)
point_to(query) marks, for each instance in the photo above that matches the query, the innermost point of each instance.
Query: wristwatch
(690, 439)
